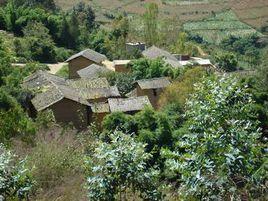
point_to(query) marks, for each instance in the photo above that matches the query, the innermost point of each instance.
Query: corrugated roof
(128, 104)
(155, 52)
(92, 71)
(154, 83)
(89, 54)
(89, 83)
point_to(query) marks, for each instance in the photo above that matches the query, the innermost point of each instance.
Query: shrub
(218, 156)
(119, 167)
(15, 180)
(121, 122)
(178, 92)
(226, 61)
(13, 121)
(124, 81)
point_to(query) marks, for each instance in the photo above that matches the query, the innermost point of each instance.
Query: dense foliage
(218, 155)
(15, 181)
(119, 167)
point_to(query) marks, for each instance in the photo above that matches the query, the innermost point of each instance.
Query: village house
(152, 88)
(130, 105)
(79, 102)
(82, 60)
(155, 53)
(92, 71)
(175, 60)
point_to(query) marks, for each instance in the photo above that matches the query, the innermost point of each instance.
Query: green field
(218, 27)
(251, 12)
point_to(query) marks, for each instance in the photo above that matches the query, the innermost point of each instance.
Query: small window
(155, 92)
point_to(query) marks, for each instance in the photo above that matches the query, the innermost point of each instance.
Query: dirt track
(53, 68)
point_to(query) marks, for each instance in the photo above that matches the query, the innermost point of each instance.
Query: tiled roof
(128, 104)
(100, 108)
(89, 83)
(155, 52)
(96, 93)
(154, 83)
(89, 54)
(92, 71)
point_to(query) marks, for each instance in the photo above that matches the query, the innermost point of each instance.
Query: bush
(16, 180)
(178, 92)
(218, 157)
(121, 122)
(226, 61)
(13, 121)
(120, 167)
(62, 54)
(124, 81)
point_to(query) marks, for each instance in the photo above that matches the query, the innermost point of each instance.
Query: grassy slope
(252, 12)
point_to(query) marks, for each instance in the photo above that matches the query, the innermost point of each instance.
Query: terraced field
(220, 26)
(252, 12)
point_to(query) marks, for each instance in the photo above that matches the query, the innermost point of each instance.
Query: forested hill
(254, 13)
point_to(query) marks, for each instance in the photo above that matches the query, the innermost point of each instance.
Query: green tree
(150, 19)
(119, 167)
(47, 4)
(226, 61)
(218, 156)
(121, 122)
(39, 42)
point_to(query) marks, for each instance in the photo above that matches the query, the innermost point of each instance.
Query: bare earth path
(53, 68)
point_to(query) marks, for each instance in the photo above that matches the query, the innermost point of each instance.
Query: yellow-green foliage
(180, 90)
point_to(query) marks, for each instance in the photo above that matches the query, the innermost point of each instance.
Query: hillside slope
(254, 13)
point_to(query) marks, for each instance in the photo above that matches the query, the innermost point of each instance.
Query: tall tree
(150, 19)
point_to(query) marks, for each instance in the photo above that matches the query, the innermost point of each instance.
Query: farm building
(128, 105)
(79, 102)
(100, 110)
(66, 105)
(152, 88)
(82, 60)
(96, 95)
(155, 52)
(175, 60)
(92, 71)
(121, 66)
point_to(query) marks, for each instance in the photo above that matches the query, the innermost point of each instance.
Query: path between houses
(53, 68)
